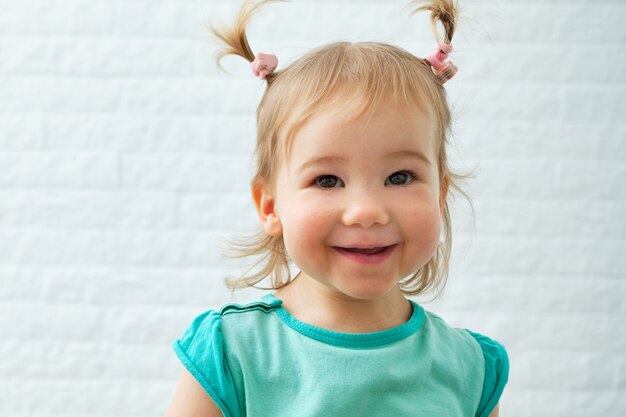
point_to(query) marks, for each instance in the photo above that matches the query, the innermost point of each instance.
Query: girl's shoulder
(495, 359)
(441, 328)
(208, 340)
(208, 326)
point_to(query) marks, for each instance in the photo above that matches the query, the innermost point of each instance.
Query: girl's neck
(311, 302)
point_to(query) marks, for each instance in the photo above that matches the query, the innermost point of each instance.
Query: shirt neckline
(350, 340)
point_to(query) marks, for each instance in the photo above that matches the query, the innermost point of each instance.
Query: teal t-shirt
(256, 360)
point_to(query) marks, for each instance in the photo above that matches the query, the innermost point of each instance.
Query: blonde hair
(364, 75)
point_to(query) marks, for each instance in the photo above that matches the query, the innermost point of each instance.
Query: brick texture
(126, 161)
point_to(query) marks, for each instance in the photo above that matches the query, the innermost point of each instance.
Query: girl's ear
(264, 202)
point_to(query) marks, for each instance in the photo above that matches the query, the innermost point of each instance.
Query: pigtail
(234, 38)
(444, 12)
(272, 260)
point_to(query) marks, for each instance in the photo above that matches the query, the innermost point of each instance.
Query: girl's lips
(367, 255)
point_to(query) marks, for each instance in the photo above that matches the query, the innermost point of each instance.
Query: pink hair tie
(444, 68)
(264, 65)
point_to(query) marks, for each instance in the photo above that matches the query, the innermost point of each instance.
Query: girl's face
(358, 203)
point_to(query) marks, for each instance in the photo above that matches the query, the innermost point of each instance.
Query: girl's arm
(190, 400)
(495, 412)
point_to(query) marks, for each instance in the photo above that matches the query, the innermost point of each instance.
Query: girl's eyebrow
(319, 161)
(411, 154)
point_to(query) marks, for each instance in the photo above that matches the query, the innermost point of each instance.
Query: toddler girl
(351, 186)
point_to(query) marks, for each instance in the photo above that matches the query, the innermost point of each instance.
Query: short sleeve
(496, 373)
(201, 350)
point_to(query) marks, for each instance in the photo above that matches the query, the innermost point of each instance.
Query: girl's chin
(352, 288)
(371, 292)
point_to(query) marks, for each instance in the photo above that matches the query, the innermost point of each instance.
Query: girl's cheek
(426, 221)
(311, 218)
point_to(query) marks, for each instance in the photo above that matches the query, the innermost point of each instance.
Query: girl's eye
(400, 178)
(328, 181)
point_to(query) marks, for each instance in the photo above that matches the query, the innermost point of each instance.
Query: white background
(125, 161)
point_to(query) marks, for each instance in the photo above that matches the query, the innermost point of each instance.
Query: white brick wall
(125, 161)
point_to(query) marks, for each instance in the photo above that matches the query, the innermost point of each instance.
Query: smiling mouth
(372, 255)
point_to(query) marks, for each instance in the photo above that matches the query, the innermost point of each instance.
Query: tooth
(368, 251)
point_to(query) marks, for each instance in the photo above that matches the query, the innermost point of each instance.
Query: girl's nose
(365, 210)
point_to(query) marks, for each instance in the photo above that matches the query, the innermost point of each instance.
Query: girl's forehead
(381, 131)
